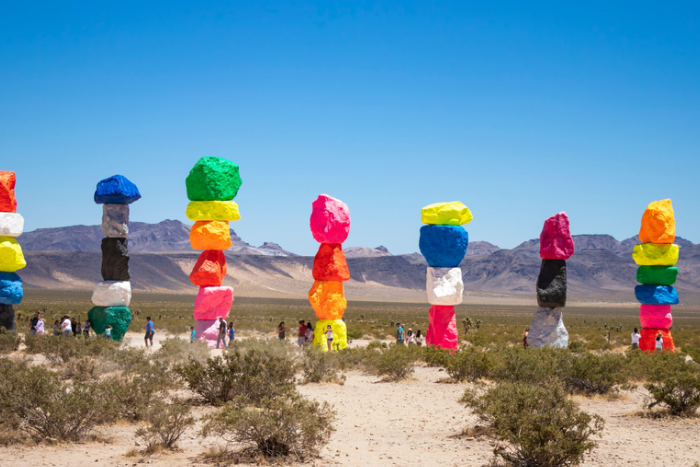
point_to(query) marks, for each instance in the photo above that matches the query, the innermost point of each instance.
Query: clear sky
(518, 109)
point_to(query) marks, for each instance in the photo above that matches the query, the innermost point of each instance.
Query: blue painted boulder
(656, 295)
(116, 190)
(443, 246)
(11, 292)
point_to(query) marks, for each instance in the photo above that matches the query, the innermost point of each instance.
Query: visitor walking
(193, 334)
(221, 337)
(150, 330)
(659, 342)
(410, 338)
(32, 324)
(525, 334)
(281, 331)
(419, 338)
(231, 333)
(309, 332)
(73, 326)
(66, 327)
(329, 337)
(302, 333)
(39, 327)
(56, 328)
(108, 332)
(399, 334)
(86, 329)
(635, 338)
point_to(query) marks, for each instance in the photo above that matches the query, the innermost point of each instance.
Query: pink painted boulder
(330, 220)
(656, 316)
(213, 302)
(207, 330)
(555, 240)
(442, 327)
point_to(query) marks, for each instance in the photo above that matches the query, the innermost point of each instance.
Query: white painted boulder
(444, 286)
(11, 224)
(547, 329)
(112, 293)
(115, 220)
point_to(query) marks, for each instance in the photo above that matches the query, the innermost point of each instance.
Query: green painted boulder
(213, 179)
(119, 317)
(657, 275)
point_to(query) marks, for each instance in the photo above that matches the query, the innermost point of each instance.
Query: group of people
(66, 326)
(306, 333)
(225, 330)
(658, 342)
(408, 337)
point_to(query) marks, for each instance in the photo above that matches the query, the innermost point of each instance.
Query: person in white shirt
(66, 326)
(635, 338)
(329, 337)
(410, 338)
(309, 333)
(40, 326)
(659, 342)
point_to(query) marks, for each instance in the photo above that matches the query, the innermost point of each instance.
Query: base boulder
(547, 329)
(442, 328)
(118, 317)
(340, 334)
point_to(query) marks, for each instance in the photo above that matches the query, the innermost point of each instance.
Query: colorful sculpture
(11, 256)
(656, 257)
(443, 243)
(330, 226)
(212, 184)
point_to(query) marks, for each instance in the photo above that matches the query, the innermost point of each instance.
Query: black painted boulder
(115, 259)
(551, 284)
(7, 317)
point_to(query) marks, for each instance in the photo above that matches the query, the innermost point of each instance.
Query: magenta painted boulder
(330, 220)
(555, 240)
(213, 302)
(656, 316)
(207, 330)
(442, 327)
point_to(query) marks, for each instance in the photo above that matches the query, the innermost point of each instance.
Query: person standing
(525, 334)
(32, 324)
(86, 329)
(231, 333)
(73, 326)
(40, 325)
(410, 338)
(419, 338)
(302, 333)
(221, 337)
(635, 338)
(150, 330)
(659, 342)
(193, 334)
(66, 327)
(56, 328)
(108, 332)
(281, 331)
(329, 337)
(399, 334)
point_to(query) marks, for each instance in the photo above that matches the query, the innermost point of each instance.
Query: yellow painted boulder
(454, 213)
(213, 211)
(653, 254)
(328, 299)
(658, 223)
(210, 235)
(11, 257)
(340, 334)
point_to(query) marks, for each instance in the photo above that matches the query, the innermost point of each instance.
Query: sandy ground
(415, 422)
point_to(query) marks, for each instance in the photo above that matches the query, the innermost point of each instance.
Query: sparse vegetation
(167, 423)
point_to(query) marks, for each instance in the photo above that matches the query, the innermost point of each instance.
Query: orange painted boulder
(8, 202)
(328, 299)
(210, 269)
(210, 235)
(658, 223)
(647, 342)
(330, 264)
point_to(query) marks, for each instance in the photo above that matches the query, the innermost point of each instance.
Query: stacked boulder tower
(443, 243)
(556, 246)
(212, 184)
(657, 257)
(11, 256)
(330, 226)
(112, 296)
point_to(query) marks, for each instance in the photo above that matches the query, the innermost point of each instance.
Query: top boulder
(116, 190)
(213, 179)
(8, 202)
(454, 213)
(330, 220)
(658, 223)
(555, 240)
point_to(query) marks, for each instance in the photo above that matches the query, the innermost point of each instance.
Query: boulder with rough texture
(7, 317)
(443, 246)
(453, 213)
(213, 303)
(115, 259)
(11, 224)
(442, 328)
(116, 190)
(657, 275)
(207, 330)
(213, 211)
(656, 316)
(647, 342)
(8, 202)
(119, 317)
(658, 223)
(340, 334)
(328, 299)
(213, 179)
(330, 220)
(556, 241)
(656, 294)
(112, 293)
(653, 254)
(11, 257)
(330, 263)
(210, 235)
(444, 286)
(210, 269)
(547, 329)
(11, 291)
(115, 220)
(551, 284)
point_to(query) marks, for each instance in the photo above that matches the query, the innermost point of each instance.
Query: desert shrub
(59, 349)
(9, 341)
(598, 342)
(83, 369)
(285, 426)
(577, 346)
(468, 364)
(128, 359)
(377, 344)
(174, 349)
(436, 357)
(396, 363)
(529, 365)
(167, 422)
(694, 352)
(675, 385)
(355, 334)
(283, 349)
(535, 425)
(596, 374)
(359, 358)
(321, 367)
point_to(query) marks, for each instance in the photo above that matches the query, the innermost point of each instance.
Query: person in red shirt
(302, 333)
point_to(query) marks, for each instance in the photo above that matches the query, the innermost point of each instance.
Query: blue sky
(518, 109)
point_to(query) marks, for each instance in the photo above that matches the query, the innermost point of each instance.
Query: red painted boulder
(330, 264)
(442, 327)
(330, 220)
(647, 342)
(213, 302)
(8, 202)
(656, 316)
(555, 240)
(210, 269)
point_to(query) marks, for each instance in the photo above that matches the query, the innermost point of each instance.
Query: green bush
(83, 369)
(321, 367)
(534, 366)
(167, 423)
(377, 344)
(173, 350)
(60, 349)
(436, 357)
(596, 374)
(9, 341)
(675, 385)
(535, 425)
(469, 364)
(355, 334)
(577, 346)
(396, 363)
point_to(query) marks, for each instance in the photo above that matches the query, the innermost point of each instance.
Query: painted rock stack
(656, 257)
(212, 184)
(11, 257)
(330, 226)
(556, 246)
(112, 296)
(443, 243)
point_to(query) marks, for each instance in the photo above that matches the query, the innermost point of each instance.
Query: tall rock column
(556, 246)
(443, 243)
(112, 296)
(330, 226)
(656, 257)
(11, 257)
(212, 184)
